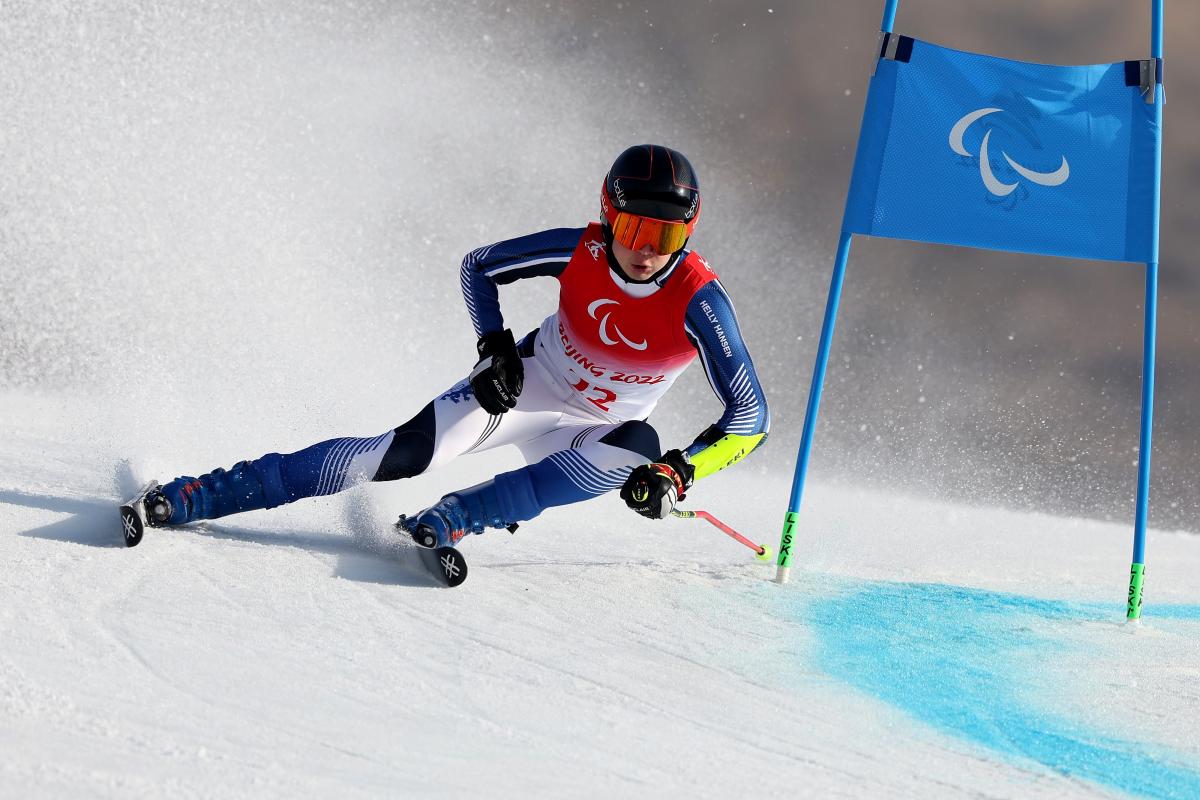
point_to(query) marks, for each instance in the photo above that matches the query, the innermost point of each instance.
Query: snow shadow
(987, 667)
(94, 521)
(380, 554)
(359, 560)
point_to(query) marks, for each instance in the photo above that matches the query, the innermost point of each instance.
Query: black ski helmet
(649, 180)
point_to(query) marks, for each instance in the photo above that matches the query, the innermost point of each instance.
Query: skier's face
(639, 265)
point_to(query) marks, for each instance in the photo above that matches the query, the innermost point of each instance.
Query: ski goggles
(636, 232)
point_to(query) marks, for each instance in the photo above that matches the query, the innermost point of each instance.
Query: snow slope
(921, 649)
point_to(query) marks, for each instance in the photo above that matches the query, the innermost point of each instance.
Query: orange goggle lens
(636, 232)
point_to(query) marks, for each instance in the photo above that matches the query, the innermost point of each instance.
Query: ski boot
(246, 486)
(447, 521)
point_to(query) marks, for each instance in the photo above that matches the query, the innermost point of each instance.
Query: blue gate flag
(973, 150)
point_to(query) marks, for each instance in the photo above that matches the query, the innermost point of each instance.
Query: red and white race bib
(618, 353)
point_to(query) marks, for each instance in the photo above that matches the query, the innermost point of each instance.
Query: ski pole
(761, 551)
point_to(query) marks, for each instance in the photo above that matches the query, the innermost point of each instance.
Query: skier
(635, 308)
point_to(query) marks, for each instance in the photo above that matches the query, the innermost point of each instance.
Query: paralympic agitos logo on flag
(971, 150)
(1006, 179)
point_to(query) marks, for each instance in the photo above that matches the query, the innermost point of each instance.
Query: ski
(445, 565)
(133, 515)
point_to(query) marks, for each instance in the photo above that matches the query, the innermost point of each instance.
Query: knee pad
(637, 436)
(411, 449)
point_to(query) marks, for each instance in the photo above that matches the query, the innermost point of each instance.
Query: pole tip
(782, 575)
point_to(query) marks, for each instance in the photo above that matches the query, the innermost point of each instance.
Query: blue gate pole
(1133, 608)
(889, 15)
(787, 538)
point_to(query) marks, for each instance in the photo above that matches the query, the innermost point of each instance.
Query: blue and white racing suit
(594, 371)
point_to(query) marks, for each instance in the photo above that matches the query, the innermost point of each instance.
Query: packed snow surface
(921, 650)
(235, 228)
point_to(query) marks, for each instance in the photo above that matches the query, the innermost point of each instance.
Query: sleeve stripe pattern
(745, 417)
(585, 475)
(466, 277)
(711, 323)
(492, 272)
(539, 254)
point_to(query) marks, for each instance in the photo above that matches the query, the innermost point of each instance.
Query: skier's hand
(652, 490)
(499, 375)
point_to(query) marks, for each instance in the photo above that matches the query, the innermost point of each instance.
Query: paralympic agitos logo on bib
(593, 309)
(1005, 179)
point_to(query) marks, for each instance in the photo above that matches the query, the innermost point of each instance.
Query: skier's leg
(451, 425)
(323, 468)
(593, 461)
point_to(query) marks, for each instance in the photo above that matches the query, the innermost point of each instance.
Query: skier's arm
(484, 270)
(652, 490)
(712, 326)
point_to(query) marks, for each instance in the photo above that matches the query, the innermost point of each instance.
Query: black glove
(499, 375)
(652, 490)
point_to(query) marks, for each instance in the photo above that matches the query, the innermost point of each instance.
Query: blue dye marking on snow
(1173, 612)
(963, 661)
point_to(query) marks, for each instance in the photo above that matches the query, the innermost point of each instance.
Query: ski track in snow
(303, 651)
